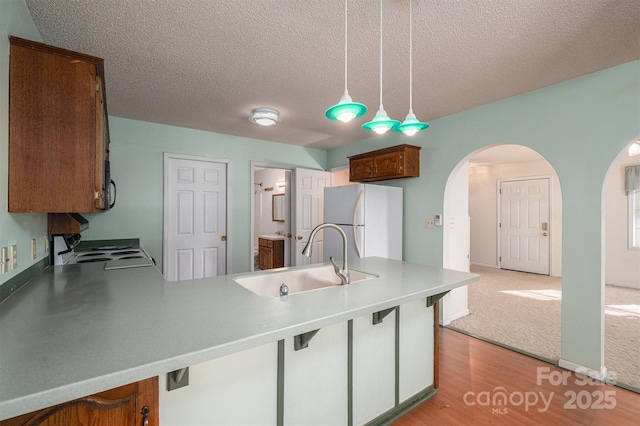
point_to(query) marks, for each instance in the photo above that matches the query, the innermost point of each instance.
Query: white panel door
(309, 212)
(195, 224)
(524, 225)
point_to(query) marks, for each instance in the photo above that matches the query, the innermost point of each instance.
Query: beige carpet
(523, 311)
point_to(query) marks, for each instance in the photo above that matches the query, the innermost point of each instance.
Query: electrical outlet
(430, 223)
(4, 260)
(14, 256)
(34, 249)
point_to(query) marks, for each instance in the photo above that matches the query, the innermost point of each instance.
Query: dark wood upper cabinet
(58, 130)
(395, 162)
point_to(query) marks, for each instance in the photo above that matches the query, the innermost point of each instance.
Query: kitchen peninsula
(76, 330)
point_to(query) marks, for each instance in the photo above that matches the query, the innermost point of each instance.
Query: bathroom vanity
(270, 251)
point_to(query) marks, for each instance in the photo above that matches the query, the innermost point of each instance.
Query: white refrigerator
(370, 216)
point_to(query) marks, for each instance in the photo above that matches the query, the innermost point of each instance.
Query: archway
(511, 315)
(622, 270)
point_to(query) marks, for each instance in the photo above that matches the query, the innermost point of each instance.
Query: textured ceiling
(207, 64)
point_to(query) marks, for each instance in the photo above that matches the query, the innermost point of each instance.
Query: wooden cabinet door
(361, 169)
(265, 257)
(58, 133)
(278, 254)
(387, 165)
(121, 406)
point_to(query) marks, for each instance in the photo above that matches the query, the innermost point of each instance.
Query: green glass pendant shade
(381, 122)
(345, 110)
(410, 126)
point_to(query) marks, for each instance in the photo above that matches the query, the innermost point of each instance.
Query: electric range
(67, 251)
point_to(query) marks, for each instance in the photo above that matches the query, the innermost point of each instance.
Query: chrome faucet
(342, 273)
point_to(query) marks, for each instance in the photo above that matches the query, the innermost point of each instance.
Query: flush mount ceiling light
(345, 110)
(381, 122)
(264, 116)
(411, 125)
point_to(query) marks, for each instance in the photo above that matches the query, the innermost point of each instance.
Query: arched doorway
(517, 309)
(622, 268)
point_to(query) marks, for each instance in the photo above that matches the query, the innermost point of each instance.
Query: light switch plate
(4, 260)
(14, 256)
(430, 223)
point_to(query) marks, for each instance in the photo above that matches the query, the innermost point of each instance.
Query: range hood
(66, 223)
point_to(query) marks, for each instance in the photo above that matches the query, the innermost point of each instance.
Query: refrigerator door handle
(353, 228)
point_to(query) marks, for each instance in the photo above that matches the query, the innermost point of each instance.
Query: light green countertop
(76, 330)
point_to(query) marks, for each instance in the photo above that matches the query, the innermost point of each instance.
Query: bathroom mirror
(277, 210)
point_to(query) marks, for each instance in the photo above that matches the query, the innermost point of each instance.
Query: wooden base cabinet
(124, 406)
(270, 253)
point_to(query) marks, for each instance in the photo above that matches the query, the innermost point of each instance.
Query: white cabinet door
(238, 389)
(316, 378)
(373, 367)
(416, 348)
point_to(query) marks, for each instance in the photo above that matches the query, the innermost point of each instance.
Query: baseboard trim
(484, 265)
(502, 345)
(627, 285)
(403, 408)
(449, 319)
(599, 375)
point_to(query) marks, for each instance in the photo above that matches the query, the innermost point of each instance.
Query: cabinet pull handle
(145, 415)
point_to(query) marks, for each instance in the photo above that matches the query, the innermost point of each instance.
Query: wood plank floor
(484, 384)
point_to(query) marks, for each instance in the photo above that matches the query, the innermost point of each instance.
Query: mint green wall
(579, 126)
(137, 150)
(15, 228)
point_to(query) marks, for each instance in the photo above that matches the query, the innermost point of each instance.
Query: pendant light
(381, 122)
(345, 110)
(411, 125)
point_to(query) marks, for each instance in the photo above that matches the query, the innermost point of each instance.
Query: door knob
(544, 234)
(299, 237)
(288, 235)
(223, 238)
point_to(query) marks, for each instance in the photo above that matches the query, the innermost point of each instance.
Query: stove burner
(118, 253)
(94, 259)
(104, 248)
(83, 255)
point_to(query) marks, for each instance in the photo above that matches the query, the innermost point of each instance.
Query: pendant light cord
(381, 54)
(345, 46)
(410, 56)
